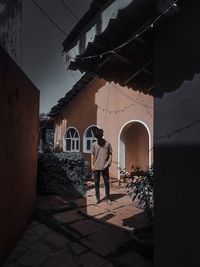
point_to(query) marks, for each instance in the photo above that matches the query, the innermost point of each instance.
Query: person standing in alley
(101, 159)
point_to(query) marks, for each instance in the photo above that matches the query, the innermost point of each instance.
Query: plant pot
(143, 241)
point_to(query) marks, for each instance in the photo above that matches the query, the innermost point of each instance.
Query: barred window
(89, 138)
(71, 140)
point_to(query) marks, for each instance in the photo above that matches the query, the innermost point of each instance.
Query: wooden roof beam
(147, 71)
(141, 41)
(123, 58)
(136, 73)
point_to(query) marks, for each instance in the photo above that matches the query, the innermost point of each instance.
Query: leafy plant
(140, 188)
(63, 174)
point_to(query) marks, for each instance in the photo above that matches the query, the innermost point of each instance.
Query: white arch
(120, 132)
(64, 139)
(84, 137)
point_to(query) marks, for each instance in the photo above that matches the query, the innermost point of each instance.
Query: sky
(42, 59)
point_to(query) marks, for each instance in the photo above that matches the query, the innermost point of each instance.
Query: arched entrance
(134, 146)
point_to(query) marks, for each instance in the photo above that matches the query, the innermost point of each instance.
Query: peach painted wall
(19, 102)
(136, 140)
(117, 106)
(110, 107)
(80, 113)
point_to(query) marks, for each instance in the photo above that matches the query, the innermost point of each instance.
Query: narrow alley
(81, 233)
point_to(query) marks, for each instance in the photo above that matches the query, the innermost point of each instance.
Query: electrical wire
(49, 18)
(122, 109)
(69, 10)
(132, 98)
(67, 14)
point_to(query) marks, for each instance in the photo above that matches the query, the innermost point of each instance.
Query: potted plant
(140, 189)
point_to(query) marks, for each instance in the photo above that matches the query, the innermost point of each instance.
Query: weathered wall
(110, 107)
(18, 151)
(177, 139)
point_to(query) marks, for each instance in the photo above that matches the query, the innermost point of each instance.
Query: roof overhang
(123, 50)
(77, 88)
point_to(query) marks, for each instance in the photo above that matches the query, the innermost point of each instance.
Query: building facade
(125, 116)
(166, 32)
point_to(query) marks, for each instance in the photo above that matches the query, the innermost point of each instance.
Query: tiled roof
(76, 89)
(132, 65)
(95, 7)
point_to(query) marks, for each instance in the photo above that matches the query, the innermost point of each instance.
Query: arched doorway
(134, 146)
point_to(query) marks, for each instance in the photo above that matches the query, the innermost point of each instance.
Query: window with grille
(89, 139)
(72, 140)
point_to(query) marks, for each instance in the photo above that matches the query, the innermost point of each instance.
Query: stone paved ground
(79, 233)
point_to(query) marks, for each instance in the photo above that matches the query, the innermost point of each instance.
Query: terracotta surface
(85, 234)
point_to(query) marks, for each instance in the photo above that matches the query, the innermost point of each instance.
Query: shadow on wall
(177, 139)
(177, 205)
(181, 49)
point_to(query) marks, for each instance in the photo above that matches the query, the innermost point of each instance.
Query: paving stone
(12, 258)
(113, 205)
(32, 258)
(127, 212)
(132, 207)
(40, 228)
(125, 201)
(91, 260)
(12, 264)
(86, 227)
(81, 202)
(68, 216)
(90, 201)
(106, 240)
(21, 246)
(51, 202)
(77, 249)
(69, 232)
(55, 254)
(134, 221)
(104, 216)
(57, 239)
(93, 210)
(116, 220)
(96, 247)
(133, 259)
(35, 232)
(33, 238)
(66, 260)
(41, 247)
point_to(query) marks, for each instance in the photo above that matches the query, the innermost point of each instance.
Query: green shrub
(63, 174)
(140, 189)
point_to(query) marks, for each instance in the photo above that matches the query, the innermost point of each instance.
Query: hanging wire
(188, 126)
(100, 107)
(136, 101)
(149, 113)
(49, 18)
(67, 8)
(67, 14)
